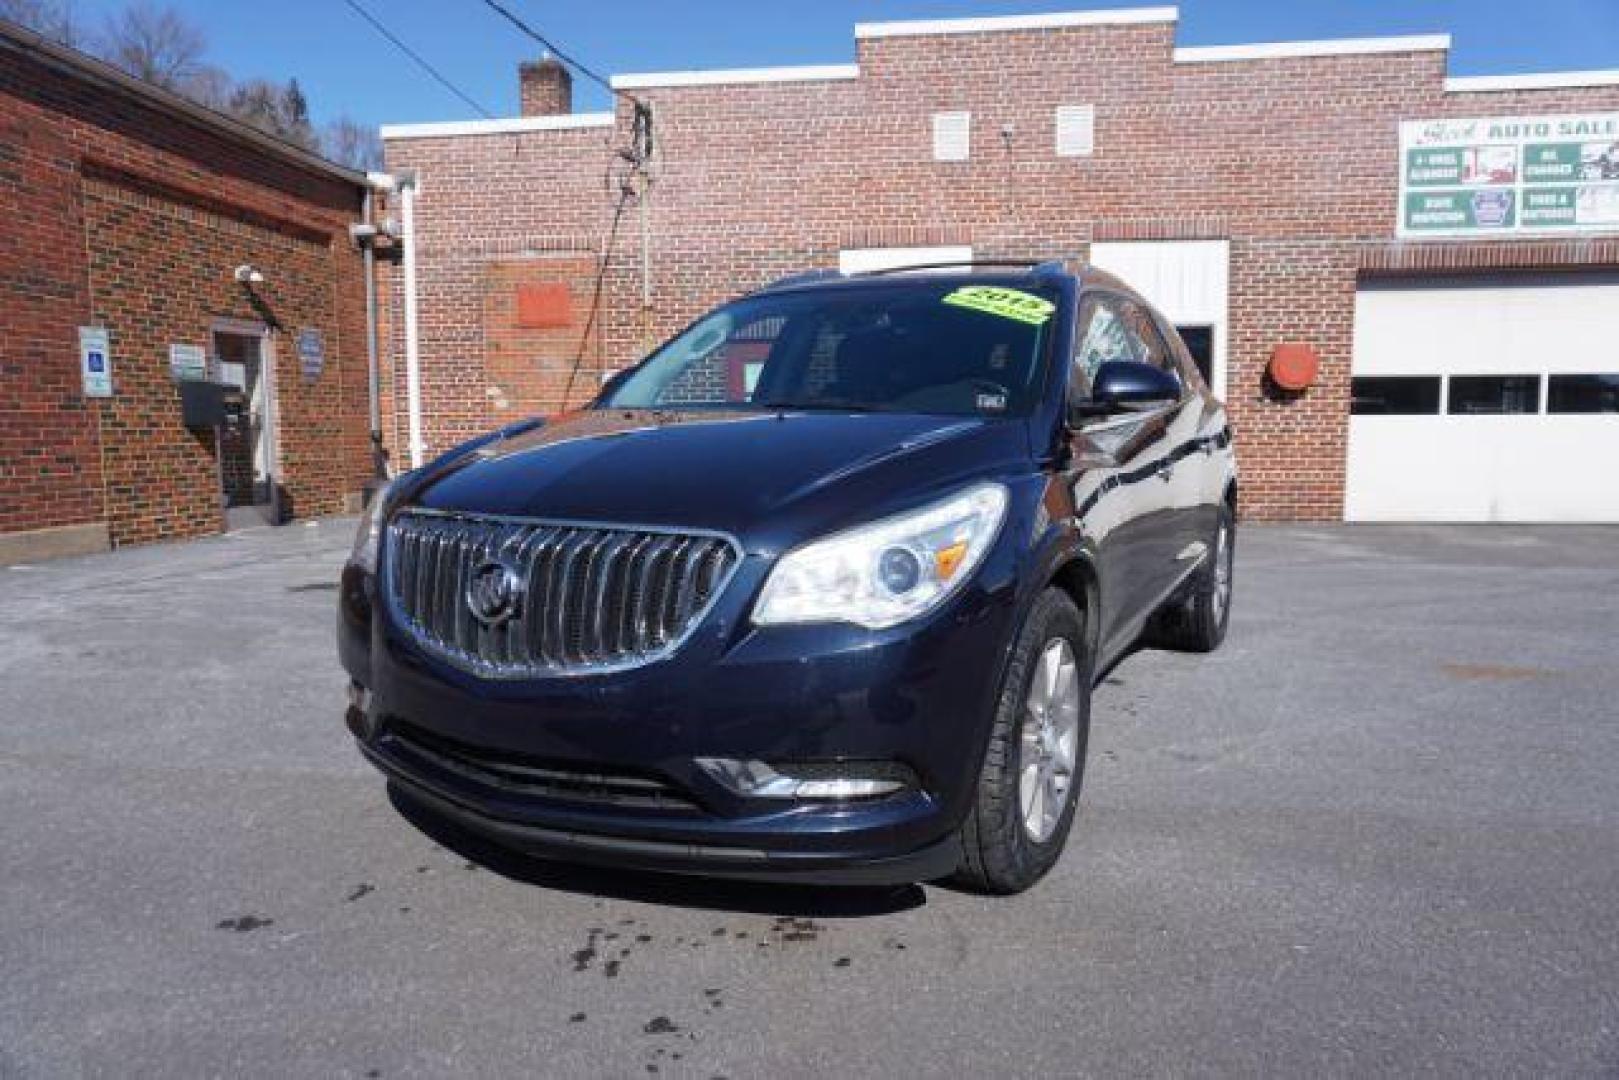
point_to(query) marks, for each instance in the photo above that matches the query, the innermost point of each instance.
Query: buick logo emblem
(495, 593)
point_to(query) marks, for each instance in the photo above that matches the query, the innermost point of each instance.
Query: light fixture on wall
(248, 274)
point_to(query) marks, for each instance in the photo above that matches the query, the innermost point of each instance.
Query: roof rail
(806, 277)
(803, 277)
(1034, 266)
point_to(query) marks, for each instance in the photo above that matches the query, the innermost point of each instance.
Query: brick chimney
(546, 87)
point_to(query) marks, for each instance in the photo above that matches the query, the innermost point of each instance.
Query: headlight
(369, 536)
(885, 573)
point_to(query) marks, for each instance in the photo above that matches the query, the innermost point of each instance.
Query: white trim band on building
(1280, 50)
(649, 80)
(1054, 20)
(510, 126)
(1544, 80)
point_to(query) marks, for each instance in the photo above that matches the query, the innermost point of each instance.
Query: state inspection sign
(1509, 174)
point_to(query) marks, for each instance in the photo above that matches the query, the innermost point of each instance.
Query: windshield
(960, 349)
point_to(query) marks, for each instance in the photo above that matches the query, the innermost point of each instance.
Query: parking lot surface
(1377, 832)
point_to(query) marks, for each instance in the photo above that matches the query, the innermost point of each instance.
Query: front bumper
(918, 697)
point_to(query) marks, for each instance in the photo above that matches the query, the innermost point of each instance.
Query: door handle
(1165, 470)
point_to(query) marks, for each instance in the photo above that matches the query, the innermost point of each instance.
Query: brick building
(1452, 283)
(125, 213)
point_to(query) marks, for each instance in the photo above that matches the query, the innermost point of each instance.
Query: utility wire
(638, 154)
(606, 84)
(596, 294)
(640, 149)
(423, 64)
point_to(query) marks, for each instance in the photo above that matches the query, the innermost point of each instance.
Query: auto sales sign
(1509, 175)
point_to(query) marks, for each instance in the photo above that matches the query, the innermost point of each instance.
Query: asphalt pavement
(1377, 833)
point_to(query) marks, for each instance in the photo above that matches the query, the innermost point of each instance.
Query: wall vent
(952, 136)
(1076, 130)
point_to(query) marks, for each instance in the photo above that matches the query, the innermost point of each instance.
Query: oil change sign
(1510, 174)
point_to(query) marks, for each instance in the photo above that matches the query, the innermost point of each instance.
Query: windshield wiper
(821, 405)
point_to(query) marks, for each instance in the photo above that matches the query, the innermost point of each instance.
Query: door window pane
(1104, 338)
(1199, 341)
(1493, 395)
(1148, 341)
(1583, 393)
(1394, 395)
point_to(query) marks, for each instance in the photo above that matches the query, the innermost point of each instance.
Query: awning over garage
(1486, 399)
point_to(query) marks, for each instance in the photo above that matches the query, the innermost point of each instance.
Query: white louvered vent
(952, 136)
(1076, 130)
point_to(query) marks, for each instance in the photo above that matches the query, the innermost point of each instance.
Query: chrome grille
(589, 597)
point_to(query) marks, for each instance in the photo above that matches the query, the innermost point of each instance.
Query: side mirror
(1125, 385)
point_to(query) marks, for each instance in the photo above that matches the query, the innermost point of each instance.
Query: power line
(641, 127)
(638, 154)
(596, 293)
(423, 64)
(606, 84)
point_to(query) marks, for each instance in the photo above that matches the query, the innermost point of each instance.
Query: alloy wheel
(1050, 740)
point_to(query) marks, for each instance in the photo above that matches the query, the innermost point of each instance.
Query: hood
(770, 479)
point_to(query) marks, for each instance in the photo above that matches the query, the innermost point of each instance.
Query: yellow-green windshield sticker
(1007, 303)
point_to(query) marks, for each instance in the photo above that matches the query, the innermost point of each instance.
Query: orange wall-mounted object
(546, 306)
(1293, 366)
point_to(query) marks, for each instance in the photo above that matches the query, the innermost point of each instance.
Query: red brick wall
(1295, 161)
(124, 216)
(528, 367)
(50, 468)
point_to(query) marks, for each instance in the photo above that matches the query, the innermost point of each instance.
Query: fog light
(757, 780)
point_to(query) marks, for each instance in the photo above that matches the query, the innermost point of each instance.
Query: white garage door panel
(1483, 468)
(1488, 329)
(1514, 468)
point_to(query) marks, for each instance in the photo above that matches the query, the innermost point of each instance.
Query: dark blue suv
(817, 591)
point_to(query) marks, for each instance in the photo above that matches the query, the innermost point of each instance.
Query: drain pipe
(366, 235)
(407, 184)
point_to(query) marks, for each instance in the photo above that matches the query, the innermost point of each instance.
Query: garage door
(1493, 399)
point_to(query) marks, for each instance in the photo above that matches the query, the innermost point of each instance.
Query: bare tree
(276, 109)
(210, 86)
(160, 45)
(155, 43)
(349, 142)
(49, 18)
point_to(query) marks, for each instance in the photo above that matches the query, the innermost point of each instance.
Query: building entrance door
(248, 459)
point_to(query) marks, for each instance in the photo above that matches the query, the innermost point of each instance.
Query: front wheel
(1029, 784)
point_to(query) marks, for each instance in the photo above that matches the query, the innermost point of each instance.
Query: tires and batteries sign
(1509, 174)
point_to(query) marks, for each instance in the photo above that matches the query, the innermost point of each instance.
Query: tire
(1197, 622)
(1002, 852)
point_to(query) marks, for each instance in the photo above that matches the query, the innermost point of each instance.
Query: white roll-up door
(1486, 399)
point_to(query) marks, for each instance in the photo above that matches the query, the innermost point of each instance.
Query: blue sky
(345, 67)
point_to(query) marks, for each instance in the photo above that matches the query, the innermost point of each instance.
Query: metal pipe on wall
(373, 388)
(366, 235)
(407, 184)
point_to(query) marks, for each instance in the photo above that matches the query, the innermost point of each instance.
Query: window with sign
(972, 349)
